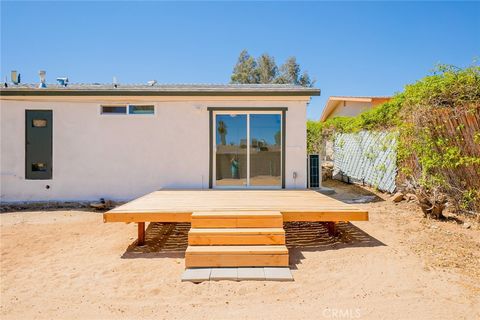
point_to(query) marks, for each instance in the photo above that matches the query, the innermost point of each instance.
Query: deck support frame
(332, 228)
(141, 234)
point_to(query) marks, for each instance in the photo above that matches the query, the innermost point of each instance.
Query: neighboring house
(349, 106)
(83, 142)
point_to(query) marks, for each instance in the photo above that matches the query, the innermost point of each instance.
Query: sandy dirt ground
(68, 264)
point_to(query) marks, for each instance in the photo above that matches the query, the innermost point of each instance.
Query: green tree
(267, 69)
(264, 70)
(289, 72)
(222, 130)
(245, 71)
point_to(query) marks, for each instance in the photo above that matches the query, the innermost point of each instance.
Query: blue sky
(350, 48)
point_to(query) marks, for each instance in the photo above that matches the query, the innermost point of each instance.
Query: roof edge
(131, 92)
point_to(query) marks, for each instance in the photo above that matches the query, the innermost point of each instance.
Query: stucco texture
(121, 157)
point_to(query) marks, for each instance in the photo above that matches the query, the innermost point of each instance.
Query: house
(90, 141)
(349, 106)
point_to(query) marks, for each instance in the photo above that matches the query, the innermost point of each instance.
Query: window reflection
(265, 150)
(231, 155)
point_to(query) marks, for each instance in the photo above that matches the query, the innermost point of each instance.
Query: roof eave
(122, 92)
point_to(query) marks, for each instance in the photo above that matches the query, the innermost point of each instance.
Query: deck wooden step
(237, 219)
(236, 236)
(236, 256)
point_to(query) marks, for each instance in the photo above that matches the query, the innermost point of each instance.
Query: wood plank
(266, 260)
(236, 214)
(326, 216)
(321, 215)
(237, 219)
(237, 231)
(245, 250)
(237, 236)
(224, 240)
(236, 256)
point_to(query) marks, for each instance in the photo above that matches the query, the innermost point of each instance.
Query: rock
(102, 204)
(98, 205)
(467, 225)
(397, 197)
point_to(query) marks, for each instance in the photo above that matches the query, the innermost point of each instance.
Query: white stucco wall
(350, 108)
(121, 157)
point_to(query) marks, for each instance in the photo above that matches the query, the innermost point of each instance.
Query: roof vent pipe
(63, 81)
(42, 74)
(15, 77)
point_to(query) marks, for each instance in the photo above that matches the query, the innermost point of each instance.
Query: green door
(38, 144)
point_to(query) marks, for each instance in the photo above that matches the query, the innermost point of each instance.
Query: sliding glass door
(248, 149)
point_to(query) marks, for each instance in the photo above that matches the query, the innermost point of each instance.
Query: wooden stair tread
(236, 231)
(237, 250)
(235, 214)
(237, 219)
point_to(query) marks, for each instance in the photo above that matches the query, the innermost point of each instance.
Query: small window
(136, 109)
(114, 110)
(39, 123)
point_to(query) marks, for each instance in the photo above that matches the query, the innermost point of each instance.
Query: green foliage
(470, 198)
(245, 71)
(264, 70)
(435, 158)
(448, 87)
(314, 136)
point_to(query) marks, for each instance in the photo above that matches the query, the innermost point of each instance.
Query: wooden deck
(235, 228)
(178, 205)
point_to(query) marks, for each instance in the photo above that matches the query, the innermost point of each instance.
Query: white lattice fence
(366, 157)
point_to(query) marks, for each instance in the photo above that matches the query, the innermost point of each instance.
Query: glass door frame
(245, 111)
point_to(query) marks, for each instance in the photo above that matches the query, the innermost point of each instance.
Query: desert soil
(68, 264)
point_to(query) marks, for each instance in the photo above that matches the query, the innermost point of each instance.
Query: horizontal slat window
(137, 109)
(114, 110)
(128, 109)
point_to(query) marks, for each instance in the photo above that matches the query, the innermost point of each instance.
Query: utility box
(313, 174)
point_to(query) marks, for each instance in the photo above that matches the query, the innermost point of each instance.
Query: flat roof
(97, 89)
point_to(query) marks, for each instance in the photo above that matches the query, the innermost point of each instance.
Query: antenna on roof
(115, 84)
(42, 74)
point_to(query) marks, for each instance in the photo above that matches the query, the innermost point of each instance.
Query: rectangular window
(114, 110)
(128, 109)
(136, 109)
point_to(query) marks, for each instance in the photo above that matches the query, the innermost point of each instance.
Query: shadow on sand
(313, 236)
(170, 240)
